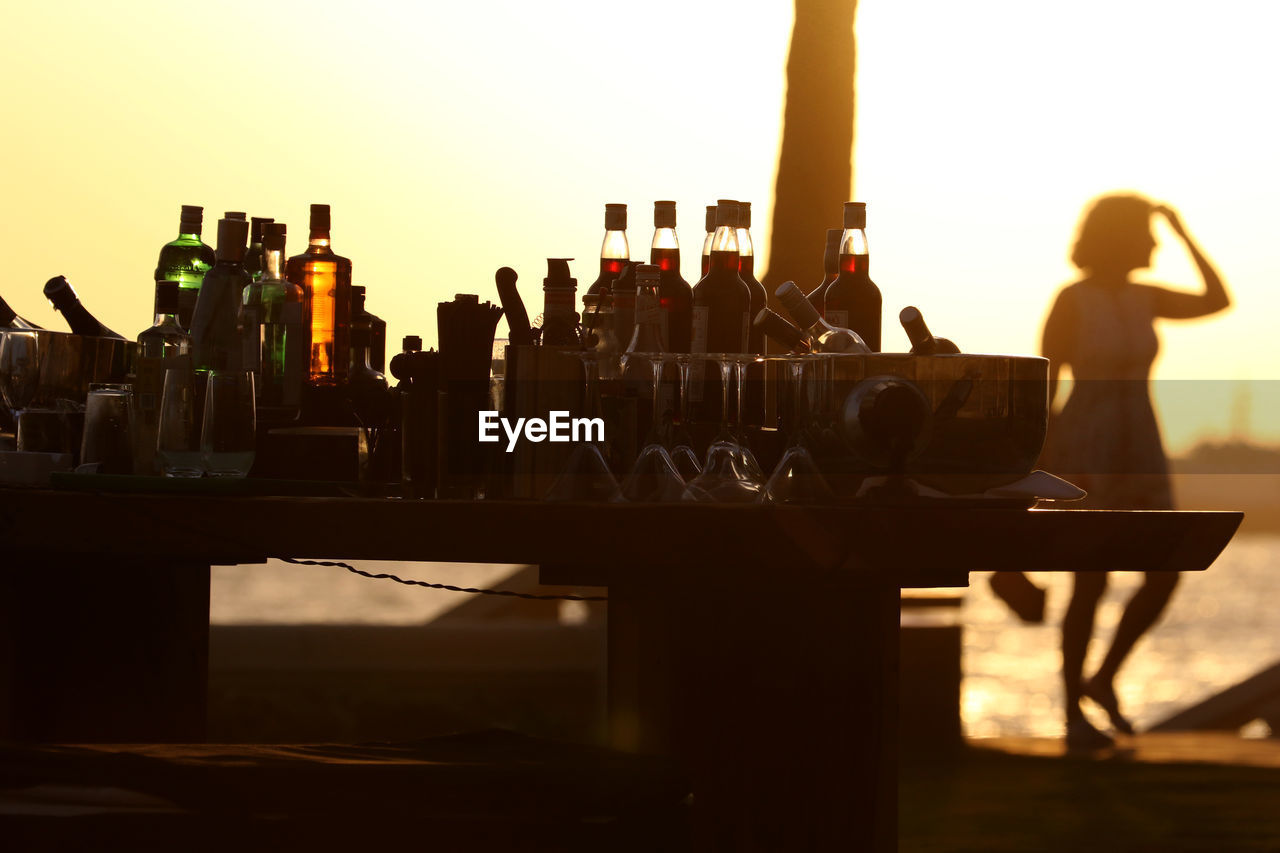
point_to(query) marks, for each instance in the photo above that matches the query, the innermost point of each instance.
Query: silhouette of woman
(1106, 439)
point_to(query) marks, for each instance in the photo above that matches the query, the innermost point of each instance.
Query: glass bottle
(923, 342)
(823, 335)
(852, 301)
(778, 328)
(366, 384)
(11, 319)
(559, 292)
(215, 326)
(162, 346)
(649, 331)
(283, 326)
(62, 296)
(721, 300)
(253, 258)
(186, 260)
(674, 293)
(614, 252)
(325, 277)
(706, 241)
(830, 267)
(746, 272)
(624, 301)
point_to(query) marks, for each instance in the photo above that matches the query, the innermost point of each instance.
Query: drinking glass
(178, 433)
(682, 454)
(654, 477)
(797, 478)
(227, 438)
(728, 475)
(586, 476)
(19, 369)
(107, 443)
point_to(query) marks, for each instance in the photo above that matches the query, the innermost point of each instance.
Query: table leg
(107, 651)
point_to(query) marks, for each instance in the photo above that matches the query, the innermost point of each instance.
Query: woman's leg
(1077, 629)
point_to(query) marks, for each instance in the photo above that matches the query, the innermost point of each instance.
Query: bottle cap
(411, 343)
(744, 214)
(232, 236)
(651, 273)
(558, 274)
(799, 307)
(235, 214)
(166, 297)
(58, 285)
(192, 213)
(855, 214)
(711, 217)
(320, 217)
(257, 227)
(357, 299)
(664, 214)
(615, 217)
(274, 238)
(727, 213)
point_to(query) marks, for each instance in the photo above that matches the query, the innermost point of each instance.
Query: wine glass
(740, 363)
(797, 478)
(654, 477)
(586, 476)
(19, 370)
(682, 454)
(727, 476)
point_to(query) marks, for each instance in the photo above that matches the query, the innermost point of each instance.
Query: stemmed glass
(654, 477)
(19, 370)
(740, 364)
(683, 454)
(797, 478)
(727, 475)
(586, 476)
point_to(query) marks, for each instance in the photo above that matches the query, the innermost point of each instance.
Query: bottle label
(697, 370)
(838, 318)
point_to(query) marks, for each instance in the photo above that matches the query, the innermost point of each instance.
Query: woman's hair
(1111, 225)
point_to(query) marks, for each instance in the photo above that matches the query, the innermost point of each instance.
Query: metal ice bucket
(69, 363)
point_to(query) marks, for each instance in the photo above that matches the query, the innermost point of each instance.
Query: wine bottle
(721, 300)
(519, 334)
(162, 346)
(777, 327)
(63, 298)
(216, 324)
(823, 335)
(253, 257)
(674, 293)
(746, 271)
(852, 301)
(706, 241)
(12, 319)
(614, 252)
(325, 277)
(830, 267)
(923, 341)
(649, 332)
(284, 353)
(559, 295)
(186, 260)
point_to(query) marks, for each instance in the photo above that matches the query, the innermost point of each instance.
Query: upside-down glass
(797, 478)
(586, 476)
(682, 452)
(653, 477)
(19, 369)
(228, 435)
(178, 432)
(727, 476)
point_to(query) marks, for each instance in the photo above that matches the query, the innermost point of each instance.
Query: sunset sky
(451, 139)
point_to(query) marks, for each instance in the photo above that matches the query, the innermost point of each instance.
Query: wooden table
(756, 644)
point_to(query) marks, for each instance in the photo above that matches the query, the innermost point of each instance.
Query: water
(1222, 626)
(228, 463)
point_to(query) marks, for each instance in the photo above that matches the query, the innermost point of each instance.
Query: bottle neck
(187, 232)
(855, 265)
(319, 240)
(745, 249)
(164, 318)
(615, 247)
(723, 261)
(667, 260)
(273, 264)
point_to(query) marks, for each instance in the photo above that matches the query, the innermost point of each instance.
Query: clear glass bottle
(649, 331)
(326, 279)
(253, 257)
(853, 301)
(823, 335)
(186, 260)
(283, 326)
(830, 267)
(162, 346)
(674, 293)
(615, 251)
(215, 326)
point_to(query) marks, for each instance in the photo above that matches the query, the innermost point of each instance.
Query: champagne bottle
(63, 298)
(325, 277)
(923, 341)
(559, 295)
(674, 293)
(12, 319)
(830, 267)
(253, 258)
(216, 324)
(823, 336)
(777, 327)
(518, 334)
(614, 252)
(186, 260)
(852, 301)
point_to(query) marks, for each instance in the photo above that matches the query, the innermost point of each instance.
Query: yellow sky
(451, 140)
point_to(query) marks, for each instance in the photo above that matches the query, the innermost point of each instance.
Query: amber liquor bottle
(325, 278)
(852, 301)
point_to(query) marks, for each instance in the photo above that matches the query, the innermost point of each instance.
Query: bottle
(830, 267)
(649, 327)
(922, 340)
(778, 328)
(615, 252)
(283, 328)
(598, 333)
(624, 301)
(519, 333)
(746, 272)
(162, 346)
(559, 294)
(706, 241)
(823, 335)
(721, 301)
(63, 298)
(253, 258)
(325, 277)
(852, 301)
(216, 325)
(238, 215)
(674, 293)
(377, 340)
(366, 384)
(12, 319)
(186, 260)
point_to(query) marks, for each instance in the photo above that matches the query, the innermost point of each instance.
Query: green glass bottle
(253, 258)
(186, 260)
(281, 308)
